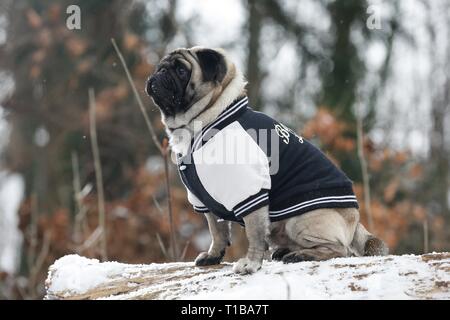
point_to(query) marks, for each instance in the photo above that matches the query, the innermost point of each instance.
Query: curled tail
(366, 244)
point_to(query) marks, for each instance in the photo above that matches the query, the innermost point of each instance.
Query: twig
(37, 266)
(98, 174)
(163, 149)
(169, 203)
(80, 208)
(138, 99)
(426, 247)
(32, 231)
(362, 160)
(162, 246)
(91, 240)
(157, 205)
(183, 254)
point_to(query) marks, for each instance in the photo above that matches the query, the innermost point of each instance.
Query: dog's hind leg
(278, 241)
(318, 253)
(220, 236)
(321, 234)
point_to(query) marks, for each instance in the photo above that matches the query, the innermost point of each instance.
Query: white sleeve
(196, 203)
(234, 170)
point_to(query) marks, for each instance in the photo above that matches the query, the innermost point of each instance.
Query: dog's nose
(150, 85)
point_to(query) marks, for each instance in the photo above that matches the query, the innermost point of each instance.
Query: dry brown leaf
(38, 56)
(54, 13)
(35, 72)
(391, 190)
(33, 18)
(416, 171)
(76, 46)
(130, 41)
(84, 66)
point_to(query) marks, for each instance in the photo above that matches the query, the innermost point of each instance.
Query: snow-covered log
(391, 277)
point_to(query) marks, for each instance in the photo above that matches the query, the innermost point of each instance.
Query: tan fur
(210, 100)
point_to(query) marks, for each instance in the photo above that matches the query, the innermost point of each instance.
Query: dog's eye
(181, 71)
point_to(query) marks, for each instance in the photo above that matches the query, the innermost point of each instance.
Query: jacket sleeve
(234, 171)
(198, 206)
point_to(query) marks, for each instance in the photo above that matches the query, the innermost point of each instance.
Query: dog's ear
(213, 65)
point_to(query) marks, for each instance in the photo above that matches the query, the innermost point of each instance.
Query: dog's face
(185, 76)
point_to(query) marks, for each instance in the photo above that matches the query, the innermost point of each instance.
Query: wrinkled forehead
(184, 56)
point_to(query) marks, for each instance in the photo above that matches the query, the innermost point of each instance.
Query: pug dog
(242, 166)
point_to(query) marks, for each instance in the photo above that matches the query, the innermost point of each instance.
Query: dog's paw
(205, 259)
(279, 253)
(294, 257)
(246, 266)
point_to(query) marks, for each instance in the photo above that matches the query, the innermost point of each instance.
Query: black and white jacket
(245, 160)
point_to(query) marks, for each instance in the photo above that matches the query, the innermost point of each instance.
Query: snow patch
(80, 274)
(391, 277)
(11, 192)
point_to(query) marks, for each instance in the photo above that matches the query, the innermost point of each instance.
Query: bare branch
(169, 202)
(32, 231)
(426, 246)
(362, 160)
(81, 209)
(91, 240)
(162, 246)
(183, 254)
(157, 204)
(37, 265)
(98, 174)
(138, 99)
(163, 149)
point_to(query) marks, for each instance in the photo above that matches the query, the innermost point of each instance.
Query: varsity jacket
(245, 160)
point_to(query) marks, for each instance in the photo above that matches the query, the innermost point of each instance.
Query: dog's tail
(366, 244)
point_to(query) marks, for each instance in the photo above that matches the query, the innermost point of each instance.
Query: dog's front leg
(257, 230)
(220, 239)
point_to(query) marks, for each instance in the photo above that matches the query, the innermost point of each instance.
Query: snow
(392, 277)
(11, 193)
(12, 187)
(75, 274)
(356, 279)
(80, 274)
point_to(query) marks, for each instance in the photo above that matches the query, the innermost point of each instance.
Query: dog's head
(187, 79)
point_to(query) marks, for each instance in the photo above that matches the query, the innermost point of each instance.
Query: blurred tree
(340, 81)
(253, 73)
(52, 68)
(437, 185)
(341, 61)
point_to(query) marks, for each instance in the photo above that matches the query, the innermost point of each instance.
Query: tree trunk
(391, 277)
(439, 152)
(254, 75)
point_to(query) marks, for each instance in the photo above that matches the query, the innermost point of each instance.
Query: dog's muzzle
(150, 87)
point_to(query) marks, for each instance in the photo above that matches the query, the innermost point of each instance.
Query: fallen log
(392, 277)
